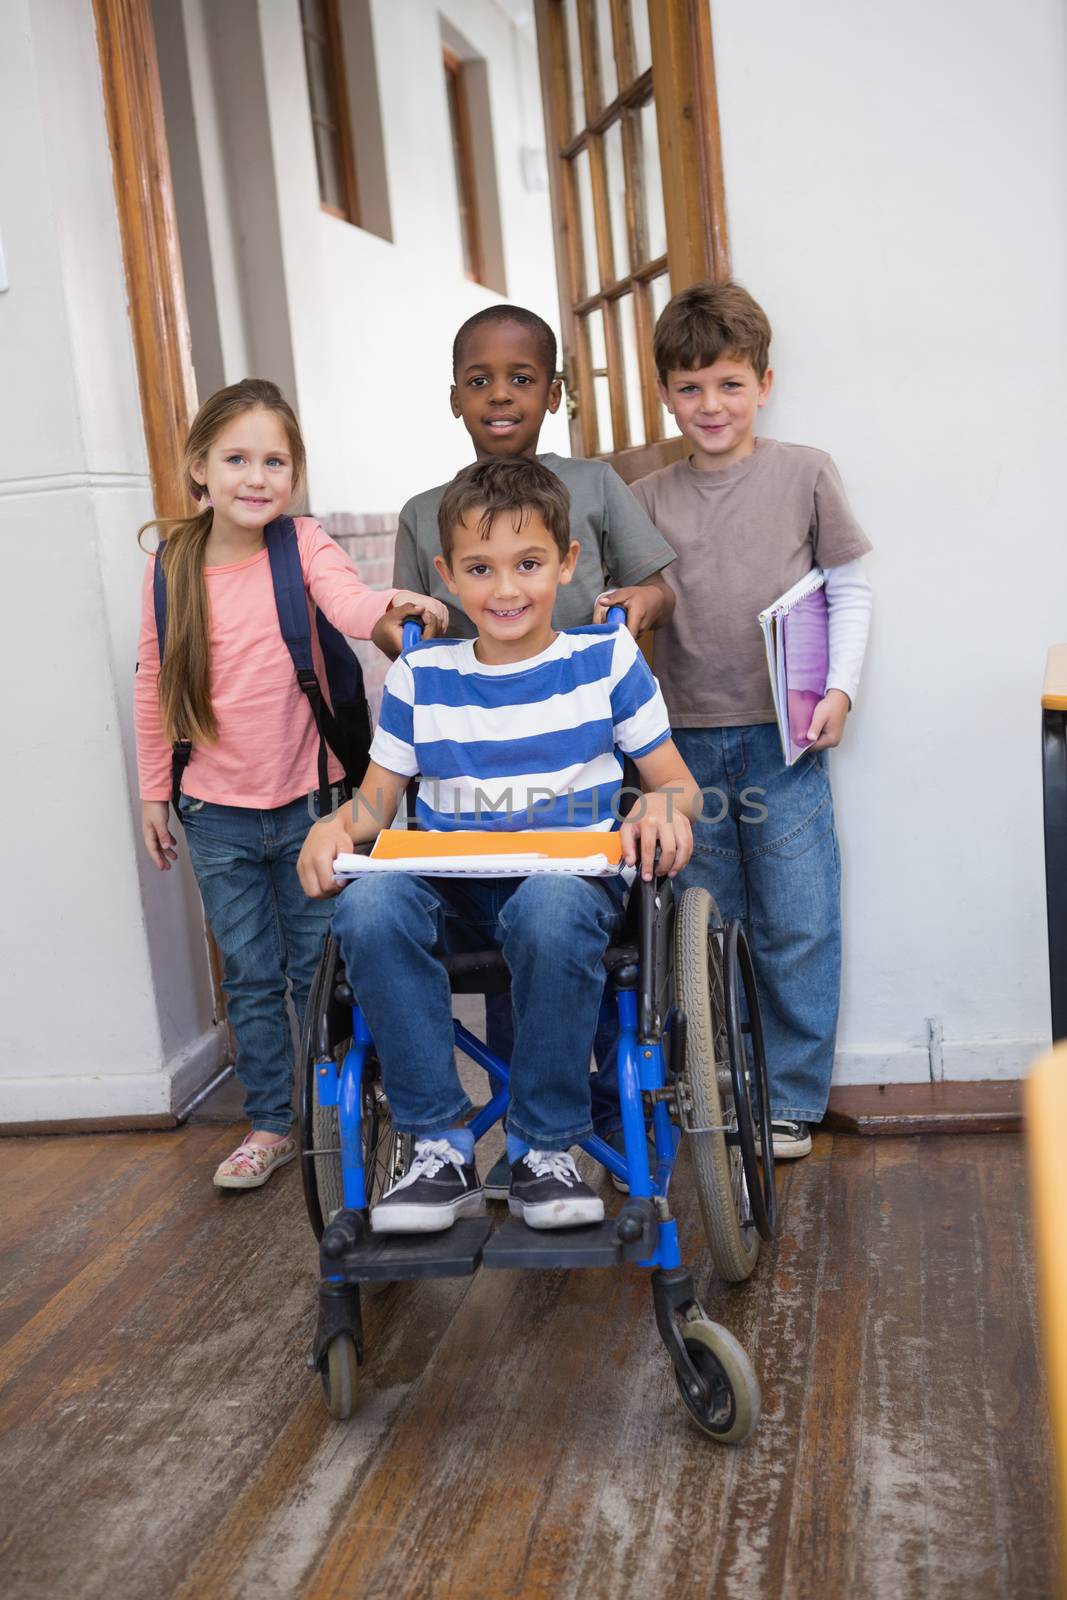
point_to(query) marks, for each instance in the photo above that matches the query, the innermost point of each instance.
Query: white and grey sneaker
(546, 1192)
(438, 1188)
(791, 1139)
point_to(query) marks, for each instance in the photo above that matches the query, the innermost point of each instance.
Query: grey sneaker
(618, 1144)
(497, 1184)
(791, 1139)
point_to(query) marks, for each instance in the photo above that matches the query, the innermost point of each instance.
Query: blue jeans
(553, 932)
(268, 932)
(771, 859)
(603, 1083)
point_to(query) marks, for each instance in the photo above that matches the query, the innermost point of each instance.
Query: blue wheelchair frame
(641, 1070)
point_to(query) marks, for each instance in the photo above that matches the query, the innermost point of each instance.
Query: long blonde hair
(185, 704)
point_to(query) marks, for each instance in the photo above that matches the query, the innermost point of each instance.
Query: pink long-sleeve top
(267, 750)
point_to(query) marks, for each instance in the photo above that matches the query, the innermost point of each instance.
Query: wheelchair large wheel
(327, 1032)
(719, 1124)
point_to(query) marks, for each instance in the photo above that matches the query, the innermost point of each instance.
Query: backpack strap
(290, 597)
(181, 749)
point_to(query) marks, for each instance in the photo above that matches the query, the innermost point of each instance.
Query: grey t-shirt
(743, 534)
(619, 545)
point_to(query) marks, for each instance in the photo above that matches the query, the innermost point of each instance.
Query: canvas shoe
(791, 1139)
(438, 1188)
(498, 1179)
(546, 1192)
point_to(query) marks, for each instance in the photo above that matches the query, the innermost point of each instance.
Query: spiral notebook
(487, 855)
(796, 639)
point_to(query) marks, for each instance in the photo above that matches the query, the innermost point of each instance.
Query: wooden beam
(145, 199)
(899, 1109)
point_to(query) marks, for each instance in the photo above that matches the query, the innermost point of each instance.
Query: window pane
(327, 159)
(660, 291)
(593, 328)
(609, 82)
(574, 66)
(642, 38)
(598, 353)
(654, 218)
(631, 369)
(318, 80)
(464, 197)
(615, 172)
(605, 437)
(311, 14)
(589, 277)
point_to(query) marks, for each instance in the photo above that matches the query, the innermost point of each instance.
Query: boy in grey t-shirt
(747, 519)
(504, 383)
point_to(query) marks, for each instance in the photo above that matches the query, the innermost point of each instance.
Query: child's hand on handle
(661, 822)
(828, 720)
(434, 613)
(388, 631)
(155, 830)
(647, 605)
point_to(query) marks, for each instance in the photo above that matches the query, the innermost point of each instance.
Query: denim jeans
(552, 930)
(268, 932)
(603, 1083)
(771, 859)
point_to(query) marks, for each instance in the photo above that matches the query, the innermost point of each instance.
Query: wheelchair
(691, 1066)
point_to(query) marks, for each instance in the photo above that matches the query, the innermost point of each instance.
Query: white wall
(106, 1003)
(895, 177)
(373, 320)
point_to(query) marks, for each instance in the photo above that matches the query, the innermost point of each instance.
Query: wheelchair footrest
(515, 1245)
(391, 1257)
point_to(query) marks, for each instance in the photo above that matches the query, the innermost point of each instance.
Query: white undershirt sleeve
(848, 601)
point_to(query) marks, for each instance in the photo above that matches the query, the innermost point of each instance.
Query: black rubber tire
(718, 1166)
(734, 1411)
(340, 1377)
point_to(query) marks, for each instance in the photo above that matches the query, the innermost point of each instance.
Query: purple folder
(796, 640)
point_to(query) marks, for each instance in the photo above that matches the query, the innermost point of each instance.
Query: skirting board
(121, 1102)
(963, 1060)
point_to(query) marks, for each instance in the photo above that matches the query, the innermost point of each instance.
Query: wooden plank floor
(518, 1435)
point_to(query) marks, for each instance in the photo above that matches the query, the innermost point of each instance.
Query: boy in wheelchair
(521, 728)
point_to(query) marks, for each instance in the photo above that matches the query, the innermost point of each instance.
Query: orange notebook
(487, 855)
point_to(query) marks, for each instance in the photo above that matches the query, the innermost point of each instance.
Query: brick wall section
(368, 538)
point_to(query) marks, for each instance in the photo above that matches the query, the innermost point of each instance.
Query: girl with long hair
(228, 687)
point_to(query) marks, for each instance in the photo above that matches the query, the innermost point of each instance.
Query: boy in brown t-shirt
(748, 518)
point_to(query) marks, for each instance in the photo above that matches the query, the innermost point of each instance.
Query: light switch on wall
(3, 270)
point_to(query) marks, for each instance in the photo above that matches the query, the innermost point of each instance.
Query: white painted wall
(897, 204)
(896, 179)
(373, 320)
(106, 1010)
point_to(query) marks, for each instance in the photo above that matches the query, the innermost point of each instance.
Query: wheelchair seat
(486, 972)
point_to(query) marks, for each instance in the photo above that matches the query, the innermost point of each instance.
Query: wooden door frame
(155, 286)
(144, 197)
(687, 116)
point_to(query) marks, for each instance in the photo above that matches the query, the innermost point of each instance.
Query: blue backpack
(346, 729)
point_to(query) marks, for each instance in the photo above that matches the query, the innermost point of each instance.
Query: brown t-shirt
(743, 535)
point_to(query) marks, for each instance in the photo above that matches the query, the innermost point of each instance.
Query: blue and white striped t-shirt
(534, 744)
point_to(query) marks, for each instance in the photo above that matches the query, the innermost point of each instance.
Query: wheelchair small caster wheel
(731, 1410)
(340, 1377)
